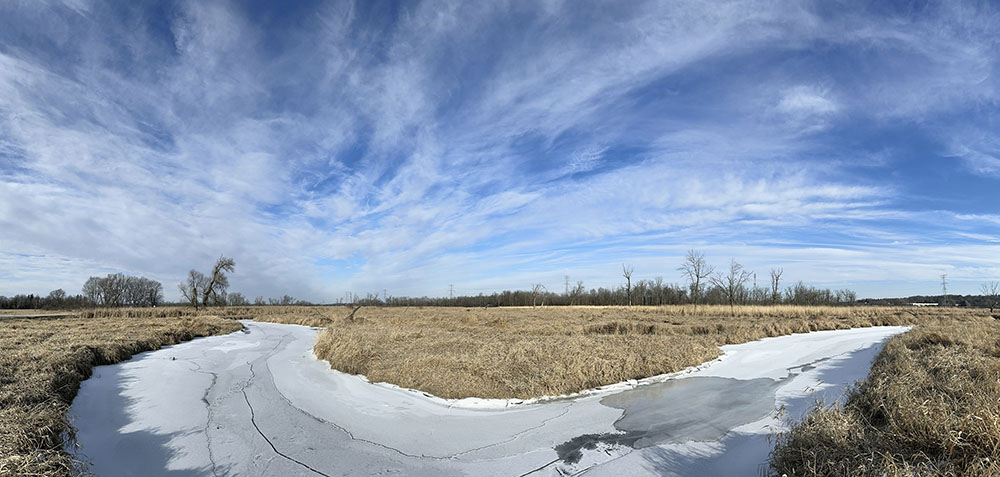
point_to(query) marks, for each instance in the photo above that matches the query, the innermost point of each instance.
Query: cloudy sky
(337, 146)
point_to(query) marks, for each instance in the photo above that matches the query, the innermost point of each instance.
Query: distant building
(923, 304)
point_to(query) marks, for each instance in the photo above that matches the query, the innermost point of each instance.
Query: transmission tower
(451, 292)
(944, 289)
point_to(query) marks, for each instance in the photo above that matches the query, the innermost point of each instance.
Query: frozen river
(259, 403)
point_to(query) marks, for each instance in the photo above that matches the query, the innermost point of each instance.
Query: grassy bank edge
(930, 405)
(42, 383)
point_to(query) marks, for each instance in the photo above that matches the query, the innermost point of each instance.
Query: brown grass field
(494, 352)
(930, 406)
(532, 352)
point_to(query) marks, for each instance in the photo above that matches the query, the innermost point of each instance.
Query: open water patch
(678, 410)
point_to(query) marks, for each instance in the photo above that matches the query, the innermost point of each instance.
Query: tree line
(704, 286)
(113, 290)
(731, 286)
(118, 289)
(652, 292)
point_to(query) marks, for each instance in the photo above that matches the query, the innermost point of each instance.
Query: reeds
(930, 406)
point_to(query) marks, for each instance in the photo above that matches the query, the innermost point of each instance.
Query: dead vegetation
(45, 359)
(930, 406)
(532, 352)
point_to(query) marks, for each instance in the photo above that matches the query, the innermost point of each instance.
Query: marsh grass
(929, 406)
(532, 352)
(508, 353)
(43, 361)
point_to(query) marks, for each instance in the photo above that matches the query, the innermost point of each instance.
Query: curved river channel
(258, 402)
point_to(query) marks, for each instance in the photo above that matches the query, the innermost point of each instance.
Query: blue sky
(335, 146)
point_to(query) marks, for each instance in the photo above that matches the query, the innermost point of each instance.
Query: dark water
(679, 410)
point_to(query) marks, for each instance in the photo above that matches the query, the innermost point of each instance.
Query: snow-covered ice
(260, 403)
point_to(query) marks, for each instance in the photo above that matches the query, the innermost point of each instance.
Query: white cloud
(807, 108)
(348, 141)
(985, 162)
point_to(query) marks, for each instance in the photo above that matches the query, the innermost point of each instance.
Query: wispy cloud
(358, 146)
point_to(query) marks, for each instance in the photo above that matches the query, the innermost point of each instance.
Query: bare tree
(627, 273)
(576, 293)
(991, 290)
(537, 290)
(113, 289)
(236, 299)
(217, 282)
(92, 291)
(153, 292)
(776, 285)
(845, 296)
(190, 288)
(56, 298)
(695, 269)
(135, 291)
(118, 289)
(732, 283)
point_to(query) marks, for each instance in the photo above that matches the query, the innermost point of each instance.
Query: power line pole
(567, 284)
(944, 289)
(451, 292)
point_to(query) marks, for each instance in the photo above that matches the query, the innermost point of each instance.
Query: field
(531, 352)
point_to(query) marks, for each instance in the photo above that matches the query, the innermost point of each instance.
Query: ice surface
(260, 403)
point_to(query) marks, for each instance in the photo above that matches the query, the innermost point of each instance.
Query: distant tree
(92, 290)
(153, 292)
(217, 282)
(118, 289)
(732, 283)
(56, 298)
(846, 297)
(696, 269)
(191, 287)
(537, 290)
(236, 299)
(210, 289)
(991, 291)
(776, 285)
(627, 273)
(134, 291)
(113, 289)
(576, 293)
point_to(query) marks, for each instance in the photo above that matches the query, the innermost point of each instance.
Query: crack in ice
(253, 421)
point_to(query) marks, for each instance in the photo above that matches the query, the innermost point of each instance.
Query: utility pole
(567, 284)
(944, 289)
(451, 292)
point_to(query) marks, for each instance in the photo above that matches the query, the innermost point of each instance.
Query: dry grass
(520, 353)
(526, 352)
(44, 360)
(930, 406)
